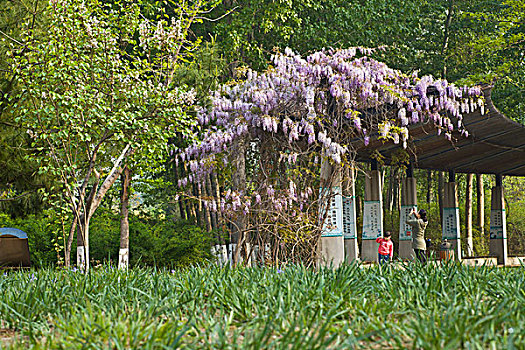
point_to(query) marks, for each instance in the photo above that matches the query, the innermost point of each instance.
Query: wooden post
(372, 214)
(408, 202)
(450, 224)
(498, 223)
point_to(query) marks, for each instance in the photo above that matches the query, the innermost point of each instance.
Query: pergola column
(498, 223)
(450, 225)
(372, 214)
(408, 202)
(349, 216)
(331, 245)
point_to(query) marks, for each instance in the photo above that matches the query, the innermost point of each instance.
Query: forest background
(466, 42)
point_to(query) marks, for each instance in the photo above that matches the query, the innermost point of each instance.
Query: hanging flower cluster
(294, 99)
(329, 102)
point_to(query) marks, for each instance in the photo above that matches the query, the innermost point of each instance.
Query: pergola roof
(495, 145)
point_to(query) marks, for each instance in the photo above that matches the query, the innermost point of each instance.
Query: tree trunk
(217, 194)
(83, 244)
(382, 179)
(109, 181)
(358, 206)
(397, 192)
(69, 244)
(480, 192)
(93, 202)
(429, 186)
(468, 215)
(83, 229)
(390, 191)
(201, 215)
(446, 36)
(123, 256)
(211, 217)
(441, 185)
(190, 204)
(239, 186)
(181, 201)
(207, 214)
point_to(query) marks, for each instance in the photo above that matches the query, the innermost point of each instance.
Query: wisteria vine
(318, 105)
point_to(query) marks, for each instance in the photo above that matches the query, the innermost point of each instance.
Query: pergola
(495, 145)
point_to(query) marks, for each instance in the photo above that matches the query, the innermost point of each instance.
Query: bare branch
(219, 18)
(17, 197)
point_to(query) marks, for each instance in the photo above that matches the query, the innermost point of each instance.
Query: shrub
(154, 241)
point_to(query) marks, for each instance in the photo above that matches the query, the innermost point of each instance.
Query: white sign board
(372, 220)
(451, 223)
(405, 230)
(349, 217)
(498, 224)
(333, 220)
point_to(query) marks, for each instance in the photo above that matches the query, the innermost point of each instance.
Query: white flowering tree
(268, 135)
(96, 89)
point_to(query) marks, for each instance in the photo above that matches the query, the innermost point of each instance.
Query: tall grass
(429, 307)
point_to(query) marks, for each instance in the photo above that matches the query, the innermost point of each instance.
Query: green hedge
(154, 241)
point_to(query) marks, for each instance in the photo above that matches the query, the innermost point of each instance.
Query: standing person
(418, 221)
(386, 248)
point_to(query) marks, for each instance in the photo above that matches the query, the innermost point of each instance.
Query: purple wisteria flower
(322, 100)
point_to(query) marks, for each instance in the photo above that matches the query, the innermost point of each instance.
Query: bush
(168, 243)
(154, 241)
(516, 227)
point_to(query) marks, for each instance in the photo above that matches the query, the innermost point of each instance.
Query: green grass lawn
(447, 307)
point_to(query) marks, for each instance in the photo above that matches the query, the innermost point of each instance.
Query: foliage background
(154, 241)
(482, 42)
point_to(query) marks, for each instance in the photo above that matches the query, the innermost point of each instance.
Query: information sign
(372, 220)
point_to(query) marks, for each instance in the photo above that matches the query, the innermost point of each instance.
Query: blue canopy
(5, 231)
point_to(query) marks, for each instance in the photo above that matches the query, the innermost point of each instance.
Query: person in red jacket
(386, 248)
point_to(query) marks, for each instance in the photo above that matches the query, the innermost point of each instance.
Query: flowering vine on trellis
(322, 103)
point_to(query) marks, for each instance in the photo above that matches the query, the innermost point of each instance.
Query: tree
(491, 50)
(21, 186)
(97, 88)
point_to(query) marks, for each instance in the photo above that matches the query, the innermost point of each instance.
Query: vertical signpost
(372, 220)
